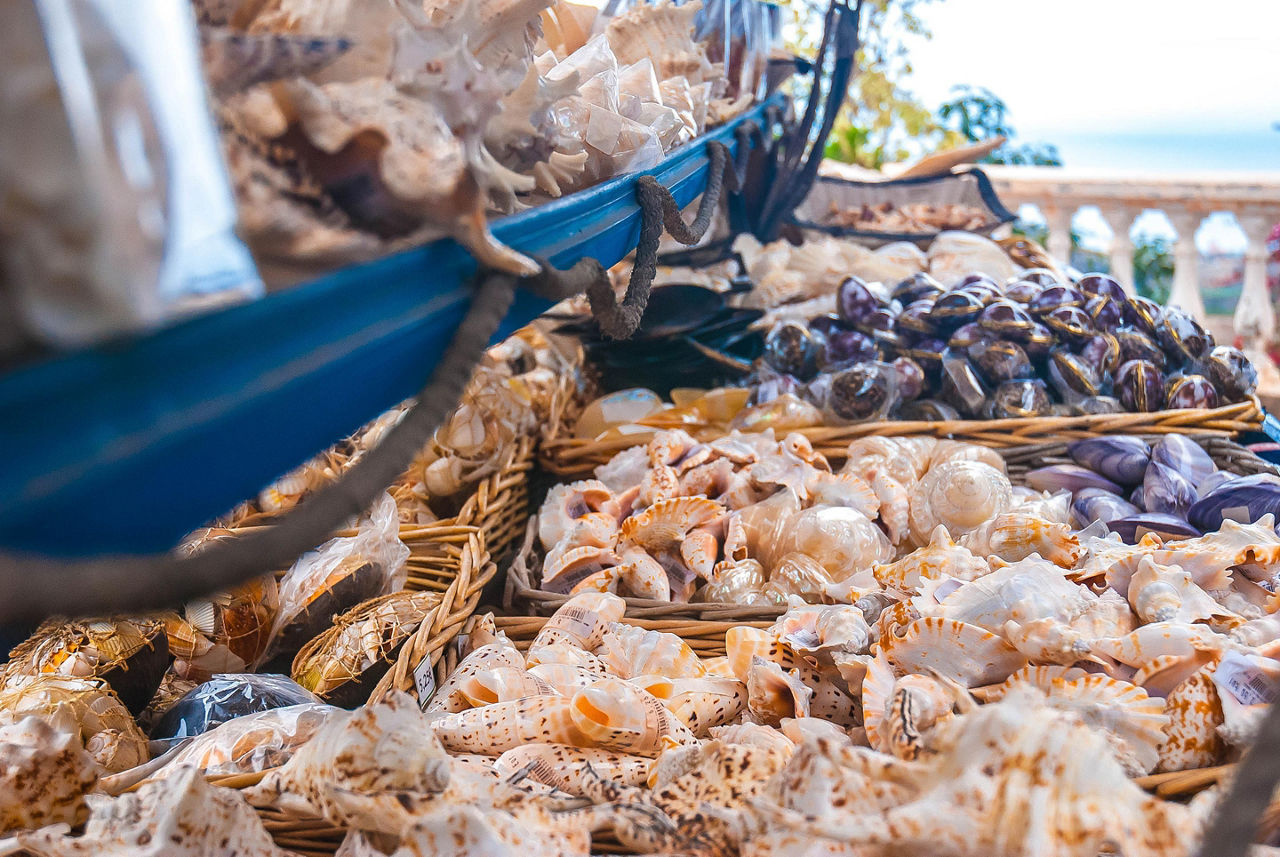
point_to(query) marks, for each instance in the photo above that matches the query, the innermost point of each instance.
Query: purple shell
(1068, 477)
(844, 347)
(1167, 527)
(1135, 497)
(1121, 458)
(1094, 504)
(854, 301)
(1244, 500)
(1214, 481)
(1184, 456)
(1166, 491)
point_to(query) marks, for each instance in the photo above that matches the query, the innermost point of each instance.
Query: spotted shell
(563, 765)
(699, 703)
(581, 621)
(631, 651)
(615, 715)
(773, 693)
(44, 771)
(503, 684)
(1191, 735)
(959, 495)
(494, 655)
(743, 644)
(565, 679)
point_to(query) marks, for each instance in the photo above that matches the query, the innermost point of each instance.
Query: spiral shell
(616, 715)
(46, 772)
(563, 766)
(449, 696)
(699, 703)
(773, 693)
(959, 495)
(581, 621)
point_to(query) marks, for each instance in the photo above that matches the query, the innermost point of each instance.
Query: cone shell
(699, 703)
(563, 766)
(581, 621)
(629, 651)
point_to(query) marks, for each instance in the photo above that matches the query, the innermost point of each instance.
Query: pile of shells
(1035, 346)
(1172, 489)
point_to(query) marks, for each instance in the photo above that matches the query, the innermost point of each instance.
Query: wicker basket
(575, 458)
(522, 595)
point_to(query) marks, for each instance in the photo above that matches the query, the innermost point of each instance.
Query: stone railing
(1186, 199)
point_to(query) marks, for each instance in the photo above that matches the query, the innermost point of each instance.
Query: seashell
(941, 557)
(629, 651)
(1231, 372)
(1030, 754)
(623, 407)
(1134, 527)
(743, 644)
(952, 450)
(181, 815)
(699, 703)
(615, 715)
(1041, 677)
(496, 655)
(581, 621)
(563, 766)
(957, 495)
(131, 655)
(1158, 639)
(1016, 399)
(773, 693)
(796, 576)
(1246, 684)
(913, 705)
(504, 684)
(963, 653)
(565, 679)
(664, 35)
(1167, 594)
(1096, 504)
(734, 582)
(1244, 500)
(564, 654)
(371, 769)
(1014, 536)
(1057, 296)
(1139, 386)
(1191, 735)
(961, 385)
(860, 393)
(1068, 477)
(494, 729)
(565, 504)
(1120, 458)
(952, 255)
(1166, 491)
(1190, 391)
(642, 576)
(44, 771)
(105, 726)
(565, 570)
(1181, 336)
(844, 489)
(819, 630)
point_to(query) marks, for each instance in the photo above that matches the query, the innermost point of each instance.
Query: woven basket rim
(520, 594)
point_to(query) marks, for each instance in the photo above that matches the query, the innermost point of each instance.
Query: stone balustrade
(1186, 199)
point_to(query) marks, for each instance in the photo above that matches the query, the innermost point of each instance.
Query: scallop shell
(773, 694)
(630, 651)
(955, 650)
(958, 495)
(581, 621)
(563, 766)
(1014, 536)
(371, 769)
(183, 815)
(1191, 735)
(699, 703)
(494, 655)
(939, 557)
(663, 526)
(44, 771)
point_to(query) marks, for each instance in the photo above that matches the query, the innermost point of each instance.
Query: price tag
(1246, 678)
(946, 587)
(424, 678)
(577, 621)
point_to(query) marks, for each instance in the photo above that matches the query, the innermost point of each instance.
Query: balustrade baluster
(1255, 316)
(1120, 218)
(1186, 261)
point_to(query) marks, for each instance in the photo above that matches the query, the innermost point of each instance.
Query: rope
(35, 587)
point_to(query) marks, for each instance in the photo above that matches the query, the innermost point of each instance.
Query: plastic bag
(254, 742)
(226, 697)
(338, 575)
(116, 212)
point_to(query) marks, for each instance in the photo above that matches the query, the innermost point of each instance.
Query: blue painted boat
(129, 446)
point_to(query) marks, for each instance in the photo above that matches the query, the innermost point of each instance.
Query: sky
(1125, 84)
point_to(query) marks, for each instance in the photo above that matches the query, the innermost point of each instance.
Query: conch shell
(773, 694)
(108, 730)
(959, 495)
(449, 696)
(629, 651)
(44, 772)
(699, 703)
(563, 766)
(581, 621)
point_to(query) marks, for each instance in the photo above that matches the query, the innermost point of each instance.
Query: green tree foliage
(978, 114)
